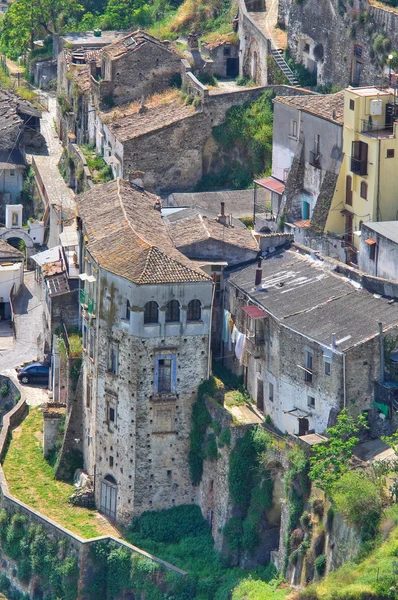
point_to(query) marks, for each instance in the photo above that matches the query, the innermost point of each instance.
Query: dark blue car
(35, 373)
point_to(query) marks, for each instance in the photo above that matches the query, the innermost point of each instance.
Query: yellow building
(367, 186)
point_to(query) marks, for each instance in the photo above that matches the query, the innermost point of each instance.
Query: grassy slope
(357, 578)
(31, 480)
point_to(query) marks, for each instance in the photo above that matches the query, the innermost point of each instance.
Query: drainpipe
(381, 352)
(344, 384)
(378, 186)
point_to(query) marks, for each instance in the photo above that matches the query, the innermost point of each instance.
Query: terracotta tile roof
(8, 252)
(200, 229)
(133, 125)
(303, 224)
(325, 106)
(132, 43)
(126, 236)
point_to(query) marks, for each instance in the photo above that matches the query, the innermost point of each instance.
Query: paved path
(28, 326)
(47, 160)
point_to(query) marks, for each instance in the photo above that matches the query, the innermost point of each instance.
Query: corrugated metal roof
(388, 229)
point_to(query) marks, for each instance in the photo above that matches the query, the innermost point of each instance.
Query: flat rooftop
(370, 91)
(309, 297)
(88, 39)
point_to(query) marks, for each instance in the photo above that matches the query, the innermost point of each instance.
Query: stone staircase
(282, 64)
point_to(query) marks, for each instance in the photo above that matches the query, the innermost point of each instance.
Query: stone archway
(251, 61)
(8, 234)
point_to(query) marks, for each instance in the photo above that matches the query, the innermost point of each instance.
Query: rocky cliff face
(344, 42)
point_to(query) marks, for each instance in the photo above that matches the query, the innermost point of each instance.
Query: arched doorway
(109, 497)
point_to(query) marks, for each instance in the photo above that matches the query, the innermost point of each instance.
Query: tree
(25, 20)
(330, 460)
(357, 497)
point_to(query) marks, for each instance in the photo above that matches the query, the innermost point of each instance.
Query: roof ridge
(156, 249)
(204, 226)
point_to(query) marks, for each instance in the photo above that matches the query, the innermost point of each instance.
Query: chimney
(259, 274)
(381, 352)
(158, 205)
(222, 218)
(333, 340)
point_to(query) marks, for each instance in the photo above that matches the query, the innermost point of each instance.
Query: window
(91, 338)
(390, 153)
(311, 401)
(111, 461)
(151, 313)
(111, 416)
(358, 50)
(348, 190)
(364, 190)
(359, 158)
(194, 312)
(165, 373)
(352, 104)
(88, 393)
(173, 311)
(372, 251)
(317, 145)
(227, 51)
(306, 48)
(112, 359)
(164, 379)
(271, 392)
(12, 172)
(127, 311)
(308, 367)
(294, 129)
(328, 367)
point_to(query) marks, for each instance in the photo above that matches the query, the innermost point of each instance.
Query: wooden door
(108, 499)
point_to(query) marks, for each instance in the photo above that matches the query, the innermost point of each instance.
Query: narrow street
(47, 160)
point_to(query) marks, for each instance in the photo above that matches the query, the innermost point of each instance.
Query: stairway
(282, 64)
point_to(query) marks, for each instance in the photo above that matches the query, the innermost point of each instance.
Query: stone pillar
(51, 421)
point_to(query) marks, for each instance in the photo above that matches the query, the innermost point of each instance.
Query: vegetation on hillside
(247, 130)
(181, 536)
(31, 479)
(30, 20)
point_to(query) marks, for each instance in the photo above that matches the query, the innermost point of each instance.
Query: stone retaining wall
(11, 505)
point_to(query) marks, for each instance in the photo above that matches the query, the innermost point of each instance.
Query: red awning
(254, 312)
(270, 183)
(370, 242)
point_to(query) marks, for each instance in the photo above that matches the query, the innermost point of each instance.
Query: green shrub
(357, 497)
(200, 421)
(4, 389)
(225, 437)
(170, 525)
(320, 564)
(211, 451)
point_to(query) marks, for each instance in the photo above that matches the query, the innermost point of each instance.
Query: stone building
(135, 67)
(378, 249)
(224, 57)
(311, 341)
(307, 158)
(146, 313)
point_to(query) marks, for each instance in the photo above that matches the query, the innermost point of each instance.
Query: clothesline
(232, 335)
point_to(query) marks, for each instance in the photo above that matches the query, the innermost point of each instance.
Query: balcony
(359, 166)
(376, 130)
(255, 344)
(315, 160)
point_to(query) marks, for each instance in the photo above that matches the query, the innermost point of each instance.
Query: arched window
(194, 312)
(348, 190)
(151, 312)
(364, 190)
(172, 311)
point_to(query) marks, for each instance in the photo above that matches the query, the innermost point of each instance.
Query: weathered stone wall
(323, 35)
(253, 45)
(139, 73)
(145, 447)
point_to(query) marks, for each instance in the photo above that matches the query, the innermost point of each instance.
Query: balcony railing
(376, 129)
(358, 166)
(315, 160)
(83, 297)
(255, 344)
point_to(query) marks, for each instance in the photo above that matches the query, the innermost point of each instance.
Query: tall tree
(26, 20)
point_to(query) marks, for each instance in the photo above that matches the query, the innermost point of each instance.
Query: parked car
(35, 373)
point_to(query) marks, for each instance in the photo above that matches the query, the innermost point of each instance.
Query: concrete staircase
(282, 64)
